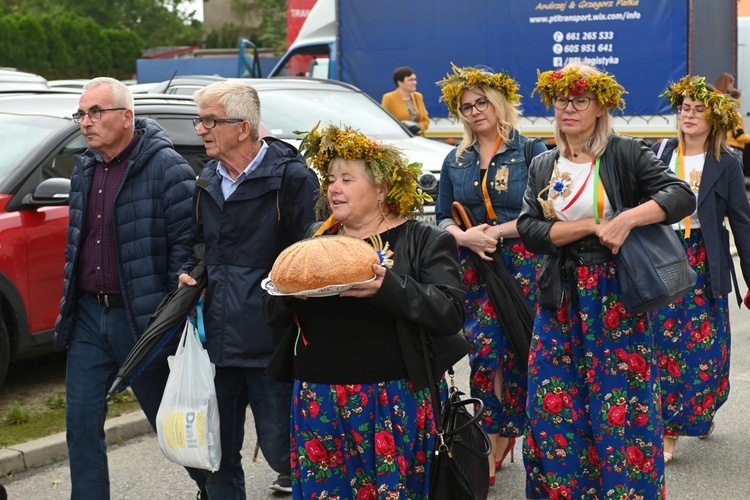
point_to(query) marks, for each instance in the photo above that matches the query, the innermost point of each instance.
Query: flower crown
(453, 85)
(572, 82)
(721, 109)
(386, 163)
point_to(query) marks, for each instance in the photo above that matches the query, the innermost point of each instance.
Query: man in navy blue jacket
(128, 233)
(254, 199)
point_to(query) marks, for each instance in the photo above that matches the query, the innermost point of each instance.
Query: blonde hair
(597, 143)
(507, 118)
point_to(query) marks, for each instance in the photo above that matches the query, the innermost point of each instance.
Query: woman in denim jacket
(491, 154)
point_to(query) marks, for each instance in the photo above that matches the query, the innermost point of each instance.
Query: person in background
(693, 334)
(405, 103)
(128, 233)
(362, 415)
(724, 82)
(489, 166)
(738, 139)
(255, 198)
(595, 428)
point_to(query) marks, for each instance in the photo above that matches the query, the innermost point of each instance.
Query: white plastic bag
(188, 419)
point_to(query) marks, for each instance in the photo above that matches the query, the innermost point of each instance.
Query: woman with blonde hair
(487, 174)
(594, 426)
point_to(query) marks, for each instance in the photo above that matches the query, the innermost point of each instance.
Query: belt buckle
(106, 300)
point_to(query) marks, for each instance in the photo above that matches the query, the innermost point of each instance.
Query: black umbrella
(514, 313)
(168, 318)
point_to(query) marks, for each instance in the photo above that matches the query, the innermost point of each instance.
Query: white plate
(326, 291)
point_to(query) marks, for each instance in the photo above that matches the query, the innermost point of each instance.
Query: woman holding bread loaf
(362, 420)
(487, 174)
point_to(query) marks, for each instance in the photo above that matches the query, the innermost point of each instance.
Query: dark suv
(38, 140)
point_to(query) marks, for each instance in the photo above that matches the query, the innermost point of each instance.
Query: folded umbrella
(514, 313)
(168, 318)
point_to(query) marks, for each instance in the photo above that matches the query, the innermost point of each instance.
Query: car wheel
(4, 351)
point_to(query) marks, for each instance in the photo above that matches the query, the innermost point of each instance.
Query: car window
(20, 136)
(286, 111)
(185, 140)
(61, 165)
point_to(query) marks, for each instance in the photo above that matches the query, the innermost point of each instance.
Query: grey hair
(238, 99)
(121, 95)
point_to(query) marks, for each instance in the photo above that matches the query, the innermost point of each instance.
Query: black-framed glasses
(685, 109)
(481, 105)
(210, 122)
(579, 103)
(94, 114)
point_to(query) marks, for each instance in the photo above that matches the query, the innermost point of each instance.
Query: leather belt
(108, 300)
(589, 251)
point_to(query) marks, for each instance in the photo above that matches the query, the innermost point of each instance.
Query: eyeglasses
(685, 109)
(94, 114)
(481, 105)
(210, 122)
(579, 103)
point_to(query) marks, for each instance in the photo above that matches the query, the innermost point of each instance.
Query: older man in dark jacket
(254, 200)
(128, 233)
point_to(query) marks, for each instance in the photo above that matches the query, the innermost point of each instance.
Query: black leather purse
(652, 265)
(460, 468)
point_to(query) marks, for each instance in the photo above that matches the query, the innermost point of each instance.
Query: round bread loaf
(323, 261)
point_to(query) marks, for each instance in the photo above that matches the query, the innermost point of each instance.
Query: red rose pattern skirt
(693, 345)
(594, 426)
(363, 441)
(489, 344)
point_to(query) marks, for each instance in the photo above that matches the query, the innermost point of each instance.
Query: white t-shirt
(690, 164)
(581, 177)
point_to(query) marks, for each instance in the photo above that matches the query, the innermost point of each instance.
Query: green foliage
(270, 34)
(18, 416)
(56, 402)
(126, 47)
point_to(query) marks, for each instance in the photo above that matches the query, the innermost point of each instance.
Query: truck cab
(313, 53)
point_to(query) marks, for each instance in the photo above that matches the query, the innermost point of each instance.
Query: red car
(39, 141)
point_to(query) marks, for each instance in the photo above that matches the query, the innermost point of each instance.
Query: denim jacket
(460, 181)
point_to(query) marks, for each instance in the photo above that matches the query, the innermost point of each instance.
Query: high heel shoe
(668, 457)
(508, 449)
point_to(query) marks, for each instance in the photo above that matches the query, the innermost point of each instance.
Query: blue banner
(642, 43)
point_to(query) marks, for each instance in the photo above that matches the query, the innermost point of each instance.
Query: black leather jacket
(423, 290)
(641, 176)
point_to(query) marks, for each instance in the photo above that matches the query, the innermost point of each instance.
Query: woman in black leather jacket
(362, 419)
(594, 421)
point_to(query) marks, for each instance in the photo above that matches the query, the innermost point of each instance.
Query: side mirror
(413, 127)
(49, 193)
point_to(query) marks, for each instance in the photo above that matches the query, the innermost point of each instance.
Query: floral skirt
(693, 344)
(489, 344)
(363, 441)
(594, 426)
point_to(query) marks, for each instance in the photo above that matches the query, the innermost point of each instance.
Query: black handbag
(460, 467)
(652, 265)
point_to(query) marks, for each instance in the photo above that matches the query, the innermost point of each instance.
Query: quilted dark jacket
(151, 223)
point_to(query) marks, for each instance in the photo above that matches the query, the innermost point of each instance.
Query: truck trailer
(644, 44)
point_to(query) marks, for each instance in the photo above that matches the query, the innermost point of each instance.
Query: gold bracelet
(501, 235)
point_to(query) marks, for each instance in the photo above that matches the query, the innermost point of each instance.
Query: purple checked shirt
(97, 267)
